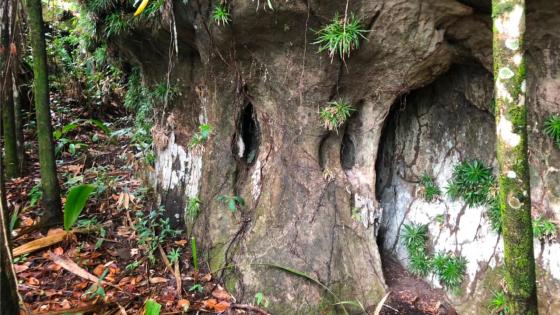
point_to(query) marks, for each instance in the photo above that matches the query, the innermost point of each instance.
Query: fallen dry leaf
(33, 281)
(59, 251)
(221, 294)
(207, 277)
(21, 268)
(221, 307)
(181, 242)
(156, 280)
(98, 271)
(210, 303)
(183, 304)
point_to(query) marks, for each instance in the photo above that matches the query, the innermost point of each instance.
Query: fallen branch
(175, 271)
(71, 266)
(49, 240)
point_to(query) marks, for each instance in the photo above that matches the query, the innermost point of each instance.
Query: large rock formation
(259, 82)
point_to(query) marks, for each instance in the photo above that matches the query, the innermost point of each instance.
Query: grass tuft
(220, 15)
(552, 128)
(341, 36)
(335, 114)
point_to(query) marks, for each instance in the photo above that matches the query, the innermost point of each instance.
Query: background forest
(280, 157)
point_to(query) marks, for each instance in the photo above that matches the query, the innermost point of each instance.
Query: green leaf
(72, 149)
(231, 205)
(101, 125)
(152, 307)
(69, 127)
(75, 201)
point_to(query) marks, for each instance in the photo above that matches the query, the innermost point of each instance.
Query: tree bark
(9, 131)
(514, 185)
(18, 116)
(9, 300)
(49, 182)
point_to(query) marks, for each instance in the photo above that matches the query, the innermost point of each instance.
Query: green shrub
(341, 36)
(471, 181)
(544, 229)
(449, 269)
(335, 114)
(220, 15)
(431, 189)
(552, 128)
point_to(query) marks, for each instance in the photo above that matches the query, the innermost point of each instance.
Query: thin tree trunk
(9, 299)
(511, 121)
(9, 131)
(49, 182)
(17, 36)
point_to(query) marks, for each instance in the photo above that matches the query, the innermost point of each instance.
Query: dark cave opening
(249, 135)
(385, 156)
(347, 151)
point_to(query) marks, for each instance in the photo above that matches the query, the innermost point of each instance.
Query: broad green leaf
(69, 127)
(75, 201)
(152, 307)
(101, 125)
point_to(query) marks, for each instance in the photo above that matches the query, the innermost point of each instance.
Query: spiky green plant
(472, 181)
(220, 15)
(544, 229)
(449, 269)
(335, 114)
(415, 237)
(552, 128)
(497, 304)
(495, 216)
(431, 189)
(341, 36)
(420, 264)
(193, 207)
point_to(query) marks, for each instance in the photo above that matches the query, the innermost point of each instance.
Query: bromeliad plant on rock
(430, 189)
(472, 181)
(449, 269)
(552, 128)
(335, 114)
(341, 36)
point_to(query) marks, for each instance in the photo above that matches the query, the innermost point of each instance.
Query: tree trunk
(9, 300)
(9, 131)
(511, 124)
(18, 116)
(49, 182)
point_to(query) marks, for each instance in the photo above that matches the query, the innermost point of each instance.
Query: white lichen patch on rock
(502, 92)
(256, 180)
(506, 134)
(509, 24)
(548, 254)
(168, 176)
(176, 167)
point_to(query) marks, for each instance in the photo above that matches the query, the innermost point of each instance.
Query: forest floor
(411, 295)
(122, 252)
(121, 256)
